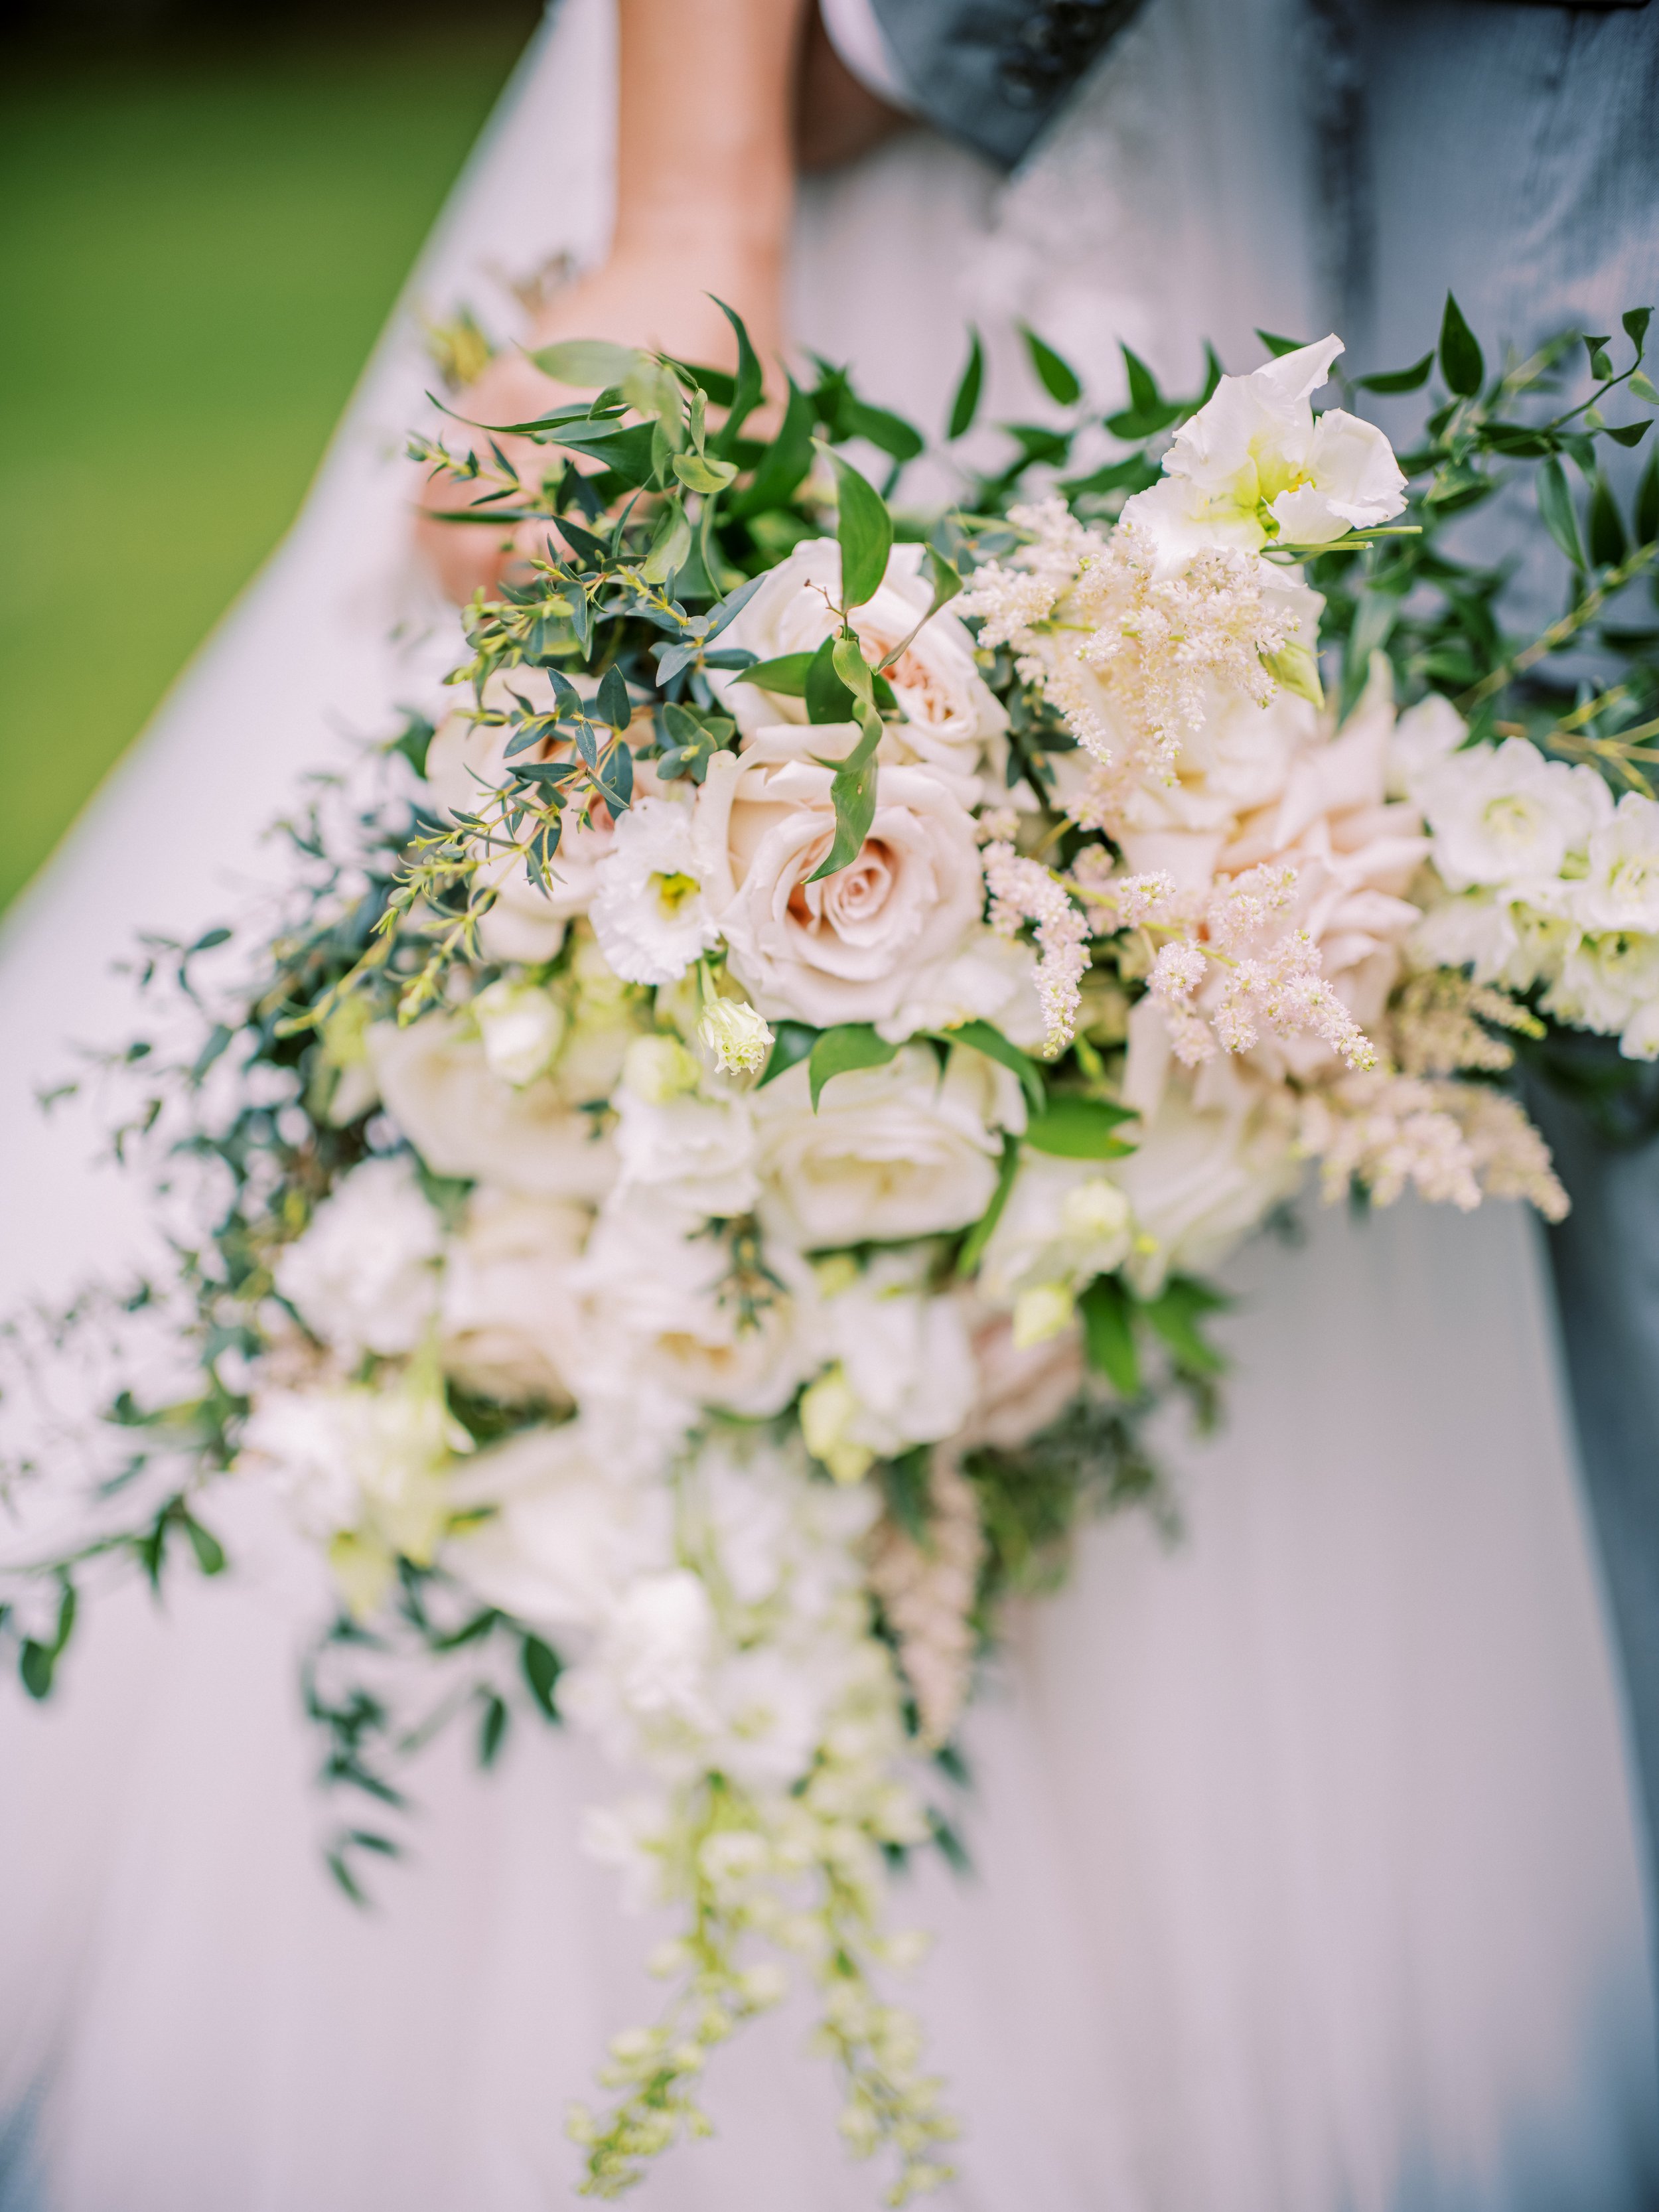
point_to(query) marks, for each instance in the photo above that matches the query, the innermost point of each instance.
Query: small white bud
(1041, 1312)
(736, 1034)
(522, 1029)
(657, 1069)
(1095, 1212)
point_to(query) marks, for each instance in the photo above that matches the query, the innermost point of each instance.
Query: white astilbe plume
(1024, 890)
(926, 1590)
(1449, 1141)
(1123, 654)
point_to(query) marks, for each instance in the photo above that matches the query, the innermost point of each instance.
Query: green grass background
(194, 258)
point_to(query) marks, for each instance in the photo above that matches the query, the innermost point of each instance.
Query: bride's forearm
(705, 164)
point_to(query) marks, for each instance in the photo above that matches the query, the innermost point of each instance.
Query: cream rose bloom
(1214, 1159)
(508, 1307)
(846, 949)
(951, 713)
(1064, 1222)
(895, 1151)
(464, 1120)
(466, 765)
(901, 1358)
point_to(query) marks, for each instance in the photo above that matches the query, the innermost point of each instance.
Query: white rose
(991, 979)
(1504, 814)
(1202, 1177)
(363, 1276)
(1063, 1221)
(1255, 463)
(567, 1539)
(892, 1152)
(697, 1154)
(464, 1120)
(508, 1307)
(649, 910)
(951, 713)
(661, 1308)
(903, 1355)
(522, 1028)
(845, 949)
(648, 1675)
(1621, 888)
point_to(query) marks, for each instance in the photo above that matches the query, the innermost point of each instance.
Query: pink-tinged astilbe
(1024, 890)
(927, 1589)
(1451, 1142)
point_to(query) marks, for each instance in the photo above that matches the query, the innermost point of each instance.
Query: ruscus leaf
(1076, 1128)
(1056, 375)
(864, 529)
(1461, 362)
(1108, 1335)
(965, 405)
(1555, 505)
(839, 1051)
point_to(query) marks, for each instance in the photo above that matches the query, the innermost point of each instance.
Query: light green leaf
(672, 546)
(698, 473)
(589, 362)
(1071, 1127)
(979, 1236)
(983, 1037)
(1555, 505)
(839, 1051)
(785, 677)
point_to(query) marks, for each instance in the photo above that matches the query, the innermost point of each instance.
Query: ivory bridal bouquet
(706, 1184)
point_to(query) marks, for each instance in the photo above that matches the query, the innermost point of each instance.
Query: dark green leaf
(748, 386)
(542, 1669)
(783, 465)
(973, 1244)
(1647, 502)
(613, 702)
(491, 1727)
(838, 1051)
(1461, 364)
(1555, 504)
(1108, 1335)
(209, 1551)
(791, 1043)
(865, 530)
(785, 677)
(1072, 1127)
(1626, 434)
(1145, 398)
(1607, 546)
(989, 1040)
(965, 405)
(1600, 367)
(1135, 474)
(1174, 1314)
(1635, 321)
(856, 418)
(732, 606)
(35, 1662)
(1398, 379)
(1278, 346)
(827, 699)
(1057, 377)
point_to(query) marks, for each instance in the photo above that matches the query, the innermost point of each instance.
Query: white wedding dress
(1308, 1877)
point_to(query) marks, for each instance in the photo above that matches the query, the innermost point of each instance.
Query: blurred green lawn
(195, 261)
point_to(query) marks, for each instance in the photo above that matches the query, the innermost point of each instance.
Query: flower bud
(1041, 1312)
(522, 1029)
(828, 1409)
(657, 1069)
(1095, 1212)
(736, 1034)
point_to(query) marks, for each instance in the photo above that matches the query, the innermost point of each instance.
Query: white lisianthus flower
(1620, 890)
(648, 910)
(648, 1674)
(663, 1306)
(522, 1028)
(566, 1537)
(892, 1152)
(1604, 982)
(1423, 737)
(902, 1368)
(464, 1120)
(844, 949)
(1254, 464)
(698, 1154)
(508, 1308)
(363, 1277)
(1063, 1223)
(951, 713)
(1504, 814)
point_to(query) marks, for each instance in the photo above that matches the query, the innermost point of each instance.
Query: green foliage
(839, 1051)
(965, 403)
(1074, 1127)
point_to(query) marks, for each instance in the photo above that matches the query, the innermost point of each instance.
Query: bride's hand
(635, 299)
